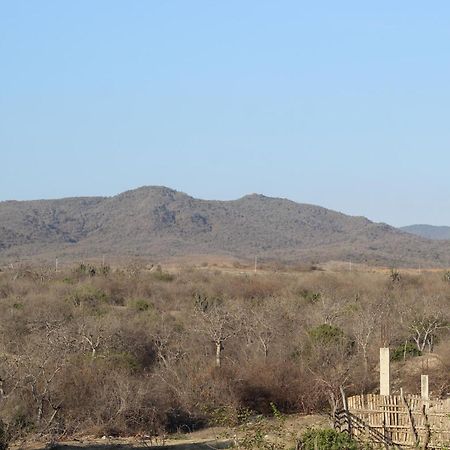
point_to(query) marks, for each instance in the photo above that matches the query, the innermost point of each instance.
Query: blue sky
(342, 104)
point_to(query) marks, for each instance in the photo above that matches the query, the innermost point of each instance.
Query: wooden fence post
(347, 413)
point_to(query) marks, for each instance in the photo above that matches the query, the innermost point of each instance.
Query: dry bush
(286, 384)
(125, 351)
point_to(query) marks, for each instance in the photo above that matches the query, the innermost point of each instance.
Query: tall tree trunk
(218, 353)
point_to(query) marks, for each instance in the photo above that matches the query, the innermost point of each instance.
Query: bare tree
(423, 318)
(218, 324)
(424, 330)
(92, 336)
(365, 326)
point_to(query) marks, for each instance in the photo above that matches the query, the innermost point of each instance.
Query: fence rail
(396, 421)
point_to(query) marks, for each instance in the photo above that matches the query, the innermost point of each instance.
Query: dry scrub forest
(94, 350)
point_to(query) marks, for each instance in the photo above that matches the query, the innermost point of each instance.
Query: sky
(341, 104)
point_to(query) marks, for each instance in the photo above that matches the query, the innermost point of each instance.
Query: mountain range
(158, 222)
(429, 231)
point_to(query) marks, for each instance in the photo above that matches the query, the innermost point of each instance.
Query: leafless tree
(219, 325)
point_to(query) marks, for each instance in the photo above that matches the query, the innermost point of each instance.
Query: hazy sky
(344, 104)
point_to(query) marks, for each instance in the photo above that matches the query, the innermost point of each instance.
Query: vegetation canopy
(133, 350)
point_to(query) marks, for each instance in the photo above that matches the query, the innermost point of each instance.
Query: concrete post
(385, 376)
(424, 387)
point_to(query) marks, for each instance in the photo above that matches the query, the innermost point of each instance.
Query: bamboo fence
(394, 420)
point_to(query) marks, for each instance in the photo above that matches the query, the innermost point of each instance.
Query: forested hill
(159, 222)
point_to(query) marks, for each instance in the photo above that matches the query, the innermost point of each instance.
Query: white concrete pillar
(424, 387)
(385, 375)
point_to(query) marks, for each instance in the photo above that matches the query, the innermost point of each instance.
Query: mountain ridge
(160, 222)
(433, 232)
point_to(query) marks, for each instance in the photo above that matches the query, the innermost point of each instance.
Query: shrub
(405, 351)
(124, 360)
(329, 439)
(88, 296)
(5, 290)
(81, 269)
(327, 334)
(395, 276)
(105, 270)
(4, 436)
(93, 297)
(260, 434)
(142, 305)
(310, 296)
(150, 367)
(163, 276)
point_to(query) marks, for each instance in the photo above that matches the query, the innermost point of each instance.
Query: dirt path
(207, 439)
(128, 444)
(172, 445)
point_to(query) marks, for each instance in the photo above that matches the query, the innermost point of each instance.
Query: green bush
(88, 296)
(142, 305)
(329, 439)
(327, 334)
(90, 270)
(405, 351)
(310, 296)
(123, 360)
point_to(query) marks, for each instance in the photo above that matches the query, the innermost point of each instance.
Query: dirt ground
(207, 439)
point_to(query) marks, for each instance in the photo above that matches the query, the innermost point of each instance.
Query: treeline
(93, 350)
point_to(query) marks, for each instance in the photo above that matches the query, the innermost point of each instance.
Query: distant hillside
(158, 222)
(429, 231)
